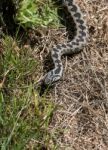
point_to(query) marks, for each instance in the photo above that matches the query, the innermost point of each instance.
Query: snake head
(50, 78)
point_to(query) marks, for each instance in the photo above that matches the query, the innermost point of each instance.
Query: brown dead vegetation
(81, 123)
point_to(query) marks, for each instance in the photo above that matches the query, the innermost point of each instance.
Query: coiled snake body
(71, 47)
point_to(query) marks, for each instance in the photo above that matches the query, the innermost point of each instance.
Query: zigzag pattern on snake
(71, 47)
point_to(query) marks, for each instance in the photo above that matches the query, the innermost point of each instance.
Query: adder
(71, 47)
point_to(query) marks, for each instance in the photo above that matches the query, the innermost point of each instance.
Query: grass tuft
(37, 13)
(24, 116)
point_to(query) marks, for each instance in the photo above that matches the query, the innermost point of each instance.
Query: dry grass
(81, 123)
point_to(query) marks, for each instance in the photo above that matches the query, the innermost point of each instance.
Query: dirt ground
(81, 123)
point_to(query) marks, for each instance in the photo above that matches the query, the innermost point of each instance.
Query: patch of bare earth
(81, 122)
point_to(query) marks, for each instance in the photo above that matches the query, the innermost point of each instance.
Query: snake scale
(70, 47)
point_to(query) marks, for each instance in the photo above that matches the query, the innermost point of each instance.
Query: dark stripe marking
(57, 61)
(55, 55)
(58, 47)
(69, 2)
(82, 27)
(75, 43)
(80, 21)
(81, 39)
(55, 50)
(64, 46)
(78, 15)
(69, 45)
(57, 70)
(77, 40)
(74, 8)
(82, 33)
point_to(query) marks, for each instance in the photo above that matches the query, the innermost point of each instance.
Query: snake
(71, 47)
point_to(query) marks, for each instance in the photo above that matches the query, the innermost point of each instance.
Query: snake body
(70, 47)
